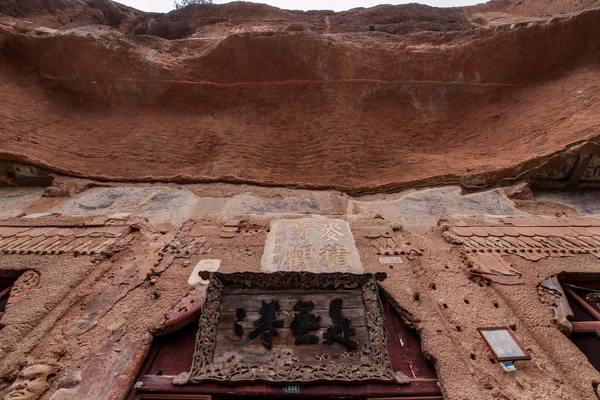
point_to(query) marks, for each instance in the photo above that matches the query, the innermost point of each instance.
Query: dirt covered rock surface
(362, 100)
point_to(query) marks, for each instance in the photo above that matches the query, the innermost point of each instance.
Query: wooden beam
(5, 292)
(407, 398)
(587, 327)
(583, 284)
(164, 384)
(583, 303)
(579, 169)
(153, 396)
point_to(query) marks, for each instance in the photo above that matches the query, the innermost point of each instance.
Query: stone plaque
(292, 327)
(311, 244)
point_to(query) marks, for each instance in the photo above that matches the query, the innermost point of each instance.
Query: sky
(336, 5)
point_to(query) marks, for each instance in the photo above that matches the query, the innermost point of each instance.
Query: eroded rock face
(31, 383)
(220, 92)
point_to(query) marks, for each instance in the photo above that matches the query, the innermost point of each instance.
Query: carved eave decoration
(59, 240)
(379, 369)
(484, 246)
(574, 168)
(531, 238)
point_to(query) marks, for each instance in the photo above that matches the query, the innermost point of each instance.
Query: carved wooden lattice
(378, 368)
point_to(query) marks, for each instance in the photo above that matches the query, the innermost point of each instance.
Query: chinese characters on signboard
(292, 327)
(303, 322)
(311, 244)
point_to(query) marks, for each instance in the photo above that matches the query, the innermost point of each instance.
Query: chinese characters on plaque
(293, 326)
(267, 325)
(303, 322)
(311, 244)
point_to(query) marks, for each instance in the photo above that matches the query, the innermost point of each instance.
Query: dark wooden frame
(5, 293)
(154, 396)
(501, 359)
(423, 386)
(583, 326)
(204, 370)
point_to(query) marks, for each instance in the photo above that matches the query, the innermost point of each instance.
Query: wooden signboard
(292, 327)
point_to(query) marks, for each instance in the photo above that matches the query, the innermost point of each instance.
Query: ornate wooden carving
(379, 367)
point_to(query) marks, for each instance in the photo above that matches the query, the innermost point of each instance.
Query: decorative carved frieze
(387, 242)
(193, 238)
(532, 242)
(576, 167)
(58, 240)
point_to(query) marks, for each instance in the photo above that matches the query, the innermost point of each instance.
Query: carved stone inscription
(592, 171)
(311, 244)
(292, 327)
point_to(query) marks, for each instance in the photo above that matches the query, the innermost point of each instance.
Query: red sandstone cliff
(366, 99)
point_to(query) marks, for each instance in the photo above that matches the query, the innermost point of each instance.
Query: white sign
(202, 266)
(292, 388)
(390, 260)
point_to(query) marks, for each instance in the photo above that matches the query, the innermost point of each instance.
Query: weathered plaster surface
(312, 203)
(585, 202)
(425, 207)
(32, 318)
(157, 203)
(94, 313)
(14, 200)
(431, 204)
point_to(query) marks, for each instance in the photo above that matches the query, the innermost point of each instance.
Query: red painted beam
(407, 398)
(174, 397)
(586, 326)
(5, 292)
(593, 312)
(417, 388)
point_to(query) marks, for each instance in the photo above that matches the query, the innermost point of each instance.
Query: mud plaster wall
(449, 308)
(128, 319)
(27, 321)
(537, 318)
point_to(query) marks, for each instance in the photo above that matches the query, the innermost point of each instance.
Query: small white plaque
(390, 260)
(203, 265)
